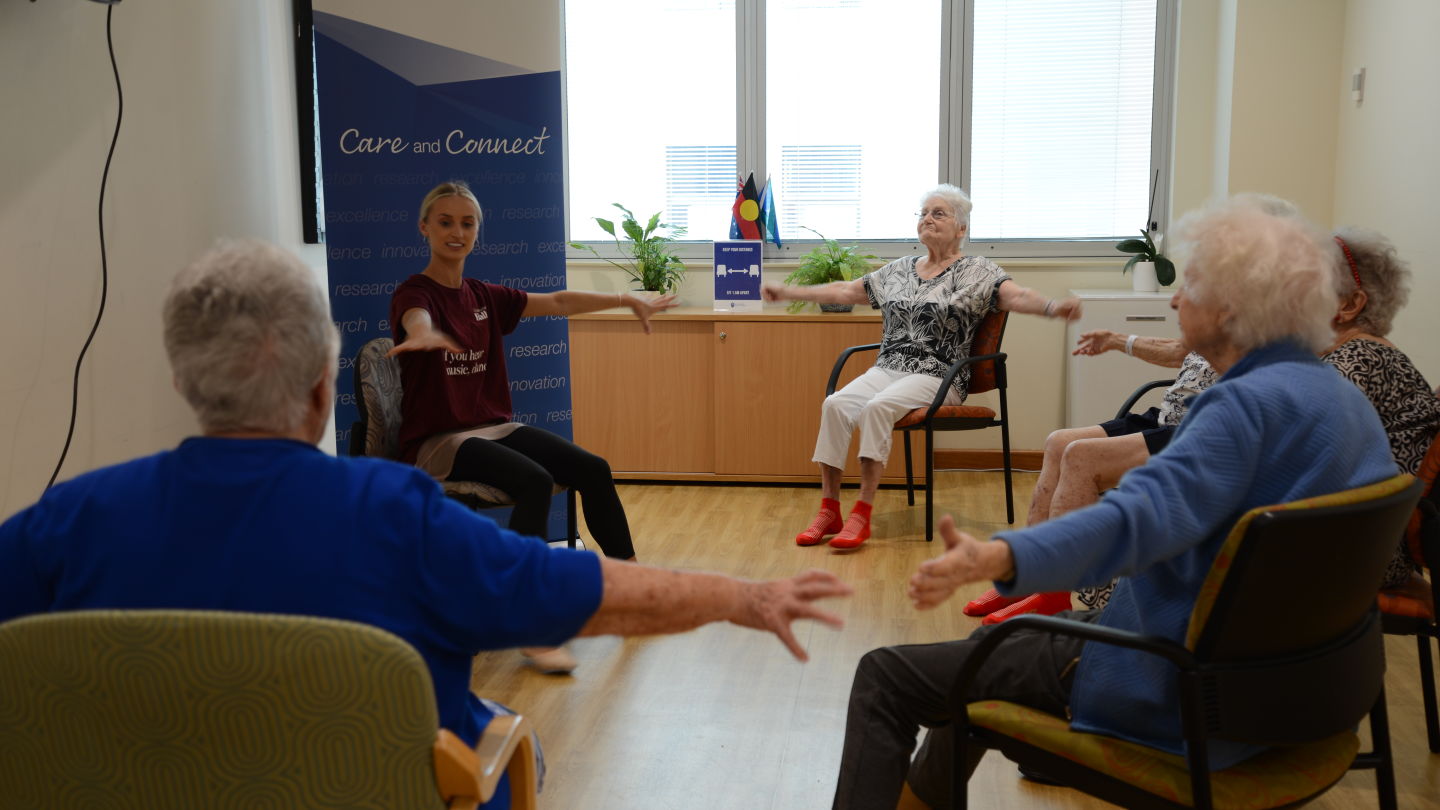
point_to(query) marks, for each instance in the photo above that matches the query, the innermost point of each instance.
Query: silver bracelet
(1049, 307)
(1130, 345)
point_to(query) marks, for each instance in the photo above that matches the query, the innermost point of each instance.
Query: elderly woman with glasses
(932, 305)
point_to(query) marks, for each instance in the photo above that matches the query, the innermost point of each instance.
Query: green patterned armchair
(159, 709)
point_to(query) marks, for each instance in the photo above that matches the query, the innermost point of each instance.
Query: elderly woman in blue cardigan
(1278, 426)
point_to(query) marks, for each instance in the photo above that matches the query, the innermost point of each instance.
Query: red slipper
(827, 521)
(1046, 604)
(989, 602)
(856, 531)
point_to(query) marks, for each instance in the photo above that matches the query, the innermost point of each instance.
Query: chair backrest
(986, 340)
(377, 397)
(1426, 518)
(184, 709)
(1286, 622)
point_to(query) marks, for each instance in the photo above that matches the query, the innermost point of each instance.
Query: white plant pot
(1142, 277)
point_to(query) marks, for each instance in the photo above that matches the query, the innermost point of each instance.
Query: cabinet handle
(722, 337)
(1157, 318)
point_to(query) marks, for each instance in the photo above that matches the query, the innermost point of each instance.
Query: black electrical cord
(104, 262)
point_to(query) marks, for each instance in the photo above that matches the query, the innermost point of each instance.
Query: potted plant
(826, 263)
(1152, 269)
(649, 258)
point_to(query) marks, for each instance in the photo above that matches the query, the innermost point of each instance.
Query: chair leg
(1009, 488)
(909, 470)
(929, 484)
(572, 524)
(1380, 748)
(1427, 688)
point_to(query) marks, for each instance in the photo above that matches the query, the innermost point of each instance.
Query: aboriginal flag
(745, 221)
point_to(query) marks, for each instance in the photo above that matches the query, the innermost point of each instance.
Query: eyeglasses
(936, 214)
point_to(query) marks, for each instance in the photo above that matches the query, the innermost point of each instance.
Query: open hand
(965, 560)
(1066, 310)
(644, 308)
(773, 605)
(425, 342)
(1096, 341)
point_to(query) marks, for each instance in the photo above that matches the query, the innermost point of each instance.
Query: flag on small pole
(769, 227)
(745, 219)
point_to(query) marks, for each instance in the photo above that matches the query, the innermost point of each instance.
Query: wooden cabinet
(714, 396)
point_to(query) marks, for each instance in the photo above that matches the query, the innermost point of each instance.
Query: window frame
(954, 137)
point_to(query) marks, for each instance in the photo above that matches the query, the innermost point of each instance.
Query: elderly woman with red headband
(1373, 283)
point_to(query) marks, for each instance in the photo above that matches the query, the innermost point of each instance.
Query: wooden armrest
(467, 777)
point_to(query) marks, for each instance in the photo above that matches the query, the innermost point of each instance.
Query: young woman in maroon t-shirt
(455, 413)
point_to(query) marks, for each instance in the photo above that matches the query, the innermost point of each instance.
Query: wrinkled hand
(965, 560)
(425, 342)
(770, 291)
(773, 605)
(1066, 310)
(1095, 342)
(644, 308)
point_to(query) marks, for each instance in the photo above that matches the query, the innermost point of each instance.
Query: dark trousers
(898, 690)
(528, 463)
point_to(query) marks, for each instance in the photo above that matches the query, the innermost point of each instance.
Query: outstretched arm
(577, 302)
(1014, 298)
(421, 334)
(836, 292)
(965, 560)
(1167, 352)
(640, 600)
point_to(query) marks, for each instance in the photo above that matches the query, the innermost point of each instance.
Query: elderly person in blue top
(252, 516)
(932, 305)
(1278, 425)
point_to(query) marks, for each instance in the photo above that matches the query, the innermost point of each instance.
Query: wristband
(1049, 307)
(1130, 345)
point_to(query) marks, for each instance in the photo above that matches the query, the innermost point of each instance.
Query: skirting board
(1023, 460)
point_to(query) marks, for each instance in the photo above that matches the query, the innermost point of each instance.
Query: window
(1051, 113)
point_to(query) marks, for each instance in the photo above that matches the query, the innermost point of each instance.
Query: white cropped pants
(875, 401)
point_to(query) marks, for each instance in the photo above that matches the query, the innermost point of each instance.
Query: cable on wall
(104, 261)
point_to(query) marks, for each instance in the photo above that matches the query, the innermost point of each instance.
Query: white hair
(248, 333)
(1384, 276)
(1266, 267)
(959, 202)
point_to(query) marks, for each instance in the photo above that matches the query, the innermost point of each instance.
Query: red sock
(857, 527)
(827, 521)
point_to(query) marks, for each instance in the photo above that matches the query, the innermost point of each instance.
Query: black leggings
(528, 463)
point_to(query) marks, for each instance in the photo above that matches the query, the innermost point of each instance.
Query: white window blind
(852, 114)
(1061, 111)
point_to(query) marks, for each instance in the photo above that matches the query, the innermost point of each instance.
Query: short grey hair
(1265, 266)
(248, 333)
(1384, 276)
(959, 202)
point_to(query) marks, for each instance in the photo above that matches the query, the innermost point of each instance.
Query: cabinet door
(1098, 385)
(769, 382)
(643, 402)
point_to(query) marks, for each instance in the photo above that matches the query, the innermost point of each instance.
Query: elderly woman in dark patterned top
(1373, 283)
(932, 305)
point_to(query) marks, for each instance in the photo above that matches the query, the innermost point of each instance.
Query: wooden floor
(724, 718)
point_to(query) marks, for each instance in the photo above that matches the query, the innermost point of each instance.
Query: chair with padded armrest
(987, 372)
(1409, 609)
(377, 433)
(1284, 649)
(162, 709)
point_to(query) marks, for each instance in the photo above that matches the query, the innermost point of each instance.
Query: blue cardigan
(1278, 426)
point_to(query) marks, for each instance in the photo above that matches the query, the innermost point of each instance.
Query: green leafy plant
(828, 262)
(1145, 251)
(647, 252)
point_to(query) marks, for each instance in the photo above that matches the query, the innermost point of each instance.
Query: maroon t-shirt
(444, 391)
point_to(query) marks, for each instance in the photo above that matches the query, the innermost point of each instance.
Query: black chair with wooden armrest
(1284, 649)
(987, 372)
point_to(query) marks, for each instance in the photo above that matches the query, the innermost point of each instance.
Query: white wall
(1387, 165)
(207, 149)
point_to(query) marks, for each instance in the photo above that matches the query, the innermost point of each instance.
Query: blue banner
(397, 116)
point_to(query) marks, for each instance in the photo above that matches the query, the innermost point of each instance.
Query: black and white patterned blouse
(1195, 376)
(1407, 405)
(929, 324)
